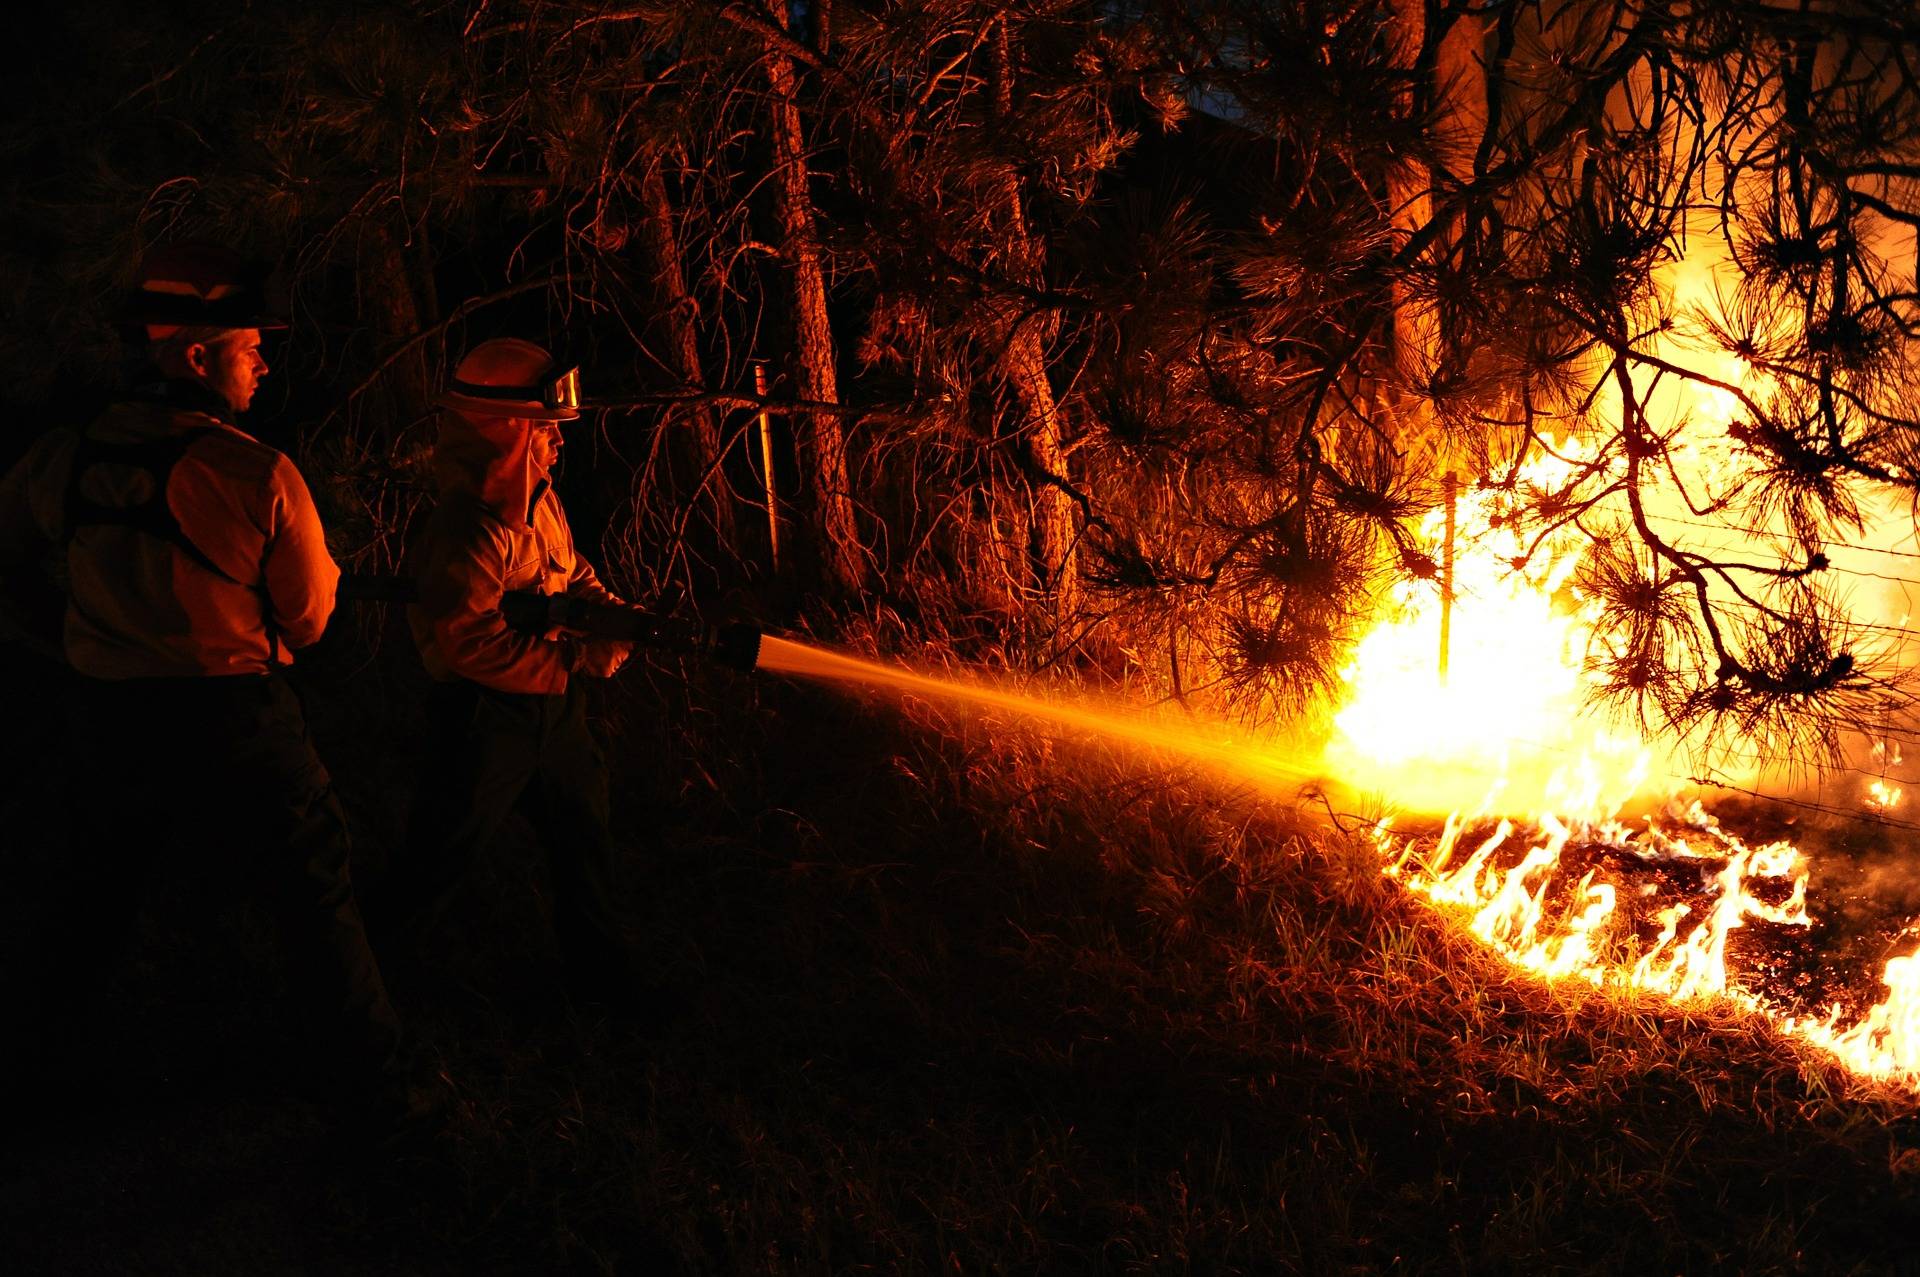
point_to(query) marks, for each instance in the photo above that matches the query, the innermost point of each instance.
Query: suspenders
(157, 457)
(151, 515)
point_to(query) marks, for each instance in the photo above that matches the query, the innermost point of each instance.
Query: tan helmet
(508, 377)
(197, 285)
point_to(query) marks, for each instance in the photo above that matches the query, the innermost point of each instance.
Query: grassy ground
(959, 999)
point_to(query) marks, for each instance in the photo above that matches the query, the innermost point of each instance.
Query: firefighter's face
(546, 444)
(231, 367)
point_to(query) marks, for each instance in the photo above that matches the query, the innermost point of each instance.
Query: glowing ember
(1527, 911)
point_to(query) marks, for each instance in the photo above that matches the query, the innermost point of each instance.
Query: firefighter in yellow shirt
(191, 566)
(509, 724)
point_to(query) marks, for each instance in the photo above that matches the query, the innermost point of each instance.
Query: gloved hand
(599, 658)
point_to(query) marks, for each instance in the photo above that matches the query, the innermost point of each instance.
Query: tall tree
(695, 441)
(816, 380)
(1020, 331)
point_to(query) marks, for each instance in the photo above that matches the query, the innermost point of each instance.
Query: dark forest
(1163, 450)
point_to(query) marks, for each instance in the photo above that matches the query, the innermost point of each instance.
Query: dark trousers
(489, 752)
(217, 767)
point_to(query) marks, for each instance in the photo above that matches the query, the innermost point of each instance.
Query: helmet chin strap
(533, 500)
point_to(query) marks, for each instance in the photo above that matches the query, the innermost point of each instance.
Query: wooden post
(1452, 485)
(766, 463)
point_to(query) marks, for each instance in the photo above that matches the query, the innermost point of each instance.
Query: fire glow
(1556, 896)
(1513, 704)
(1617, 876)
(1575, 890)
(1575, 893)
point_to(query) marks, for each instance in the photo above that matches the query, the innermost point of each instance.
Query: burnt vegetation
(1120, 342)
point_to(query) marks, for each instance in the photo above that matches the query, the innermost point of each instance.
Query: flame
(1614, 877)
(1554, 894)
(1575, 887)
(1526, 912)
(1513, 703)
(1575, 890)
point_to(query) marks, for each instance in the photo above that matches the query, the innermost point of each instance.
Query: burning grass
(964, 997)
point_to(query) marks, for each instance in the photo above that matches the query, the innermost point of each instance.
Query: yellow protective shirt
(141, 606)
(497, 527)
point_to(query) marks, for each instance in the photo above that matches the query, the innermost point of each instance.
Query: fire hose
(736, 645)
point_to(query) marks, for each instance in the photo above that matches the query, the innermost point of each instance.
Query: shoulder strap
(152, 515)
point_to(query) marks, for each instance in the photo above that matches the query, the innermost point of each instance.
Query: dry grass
(964, 999)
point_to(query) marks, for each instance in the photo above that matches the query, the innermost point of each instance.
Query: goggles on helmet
(560, 391)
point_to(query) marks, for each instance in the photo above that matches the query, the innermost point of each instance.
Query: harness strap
(152, 515)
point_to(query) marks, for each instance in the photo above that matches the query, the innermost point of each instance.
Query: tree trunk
(821, 435)
(1026, 369)
(1053, 508)
(393, 306)
(995, 545)
(693, 442)
(1455, 86)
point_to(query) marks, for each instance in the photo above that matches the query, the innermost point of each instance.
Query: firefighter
(507, 714)
(191, 567)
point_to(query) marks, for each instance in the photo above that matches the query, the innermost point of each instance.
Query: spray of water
(1213, 745)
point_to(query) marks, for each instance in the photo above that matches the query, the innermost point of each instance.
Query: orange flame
(1576, 891)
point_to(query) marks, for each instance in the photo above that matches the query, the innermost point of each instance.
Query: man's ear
(195, 357)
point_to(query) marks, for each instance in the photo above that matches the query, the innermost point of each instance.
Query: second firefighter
(508, 722)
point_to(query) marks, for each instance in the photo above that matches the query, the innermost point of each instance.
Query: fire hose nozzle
(736, 645)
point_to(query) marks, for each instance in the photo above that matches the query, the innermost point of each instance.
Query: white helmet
(508, 377)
